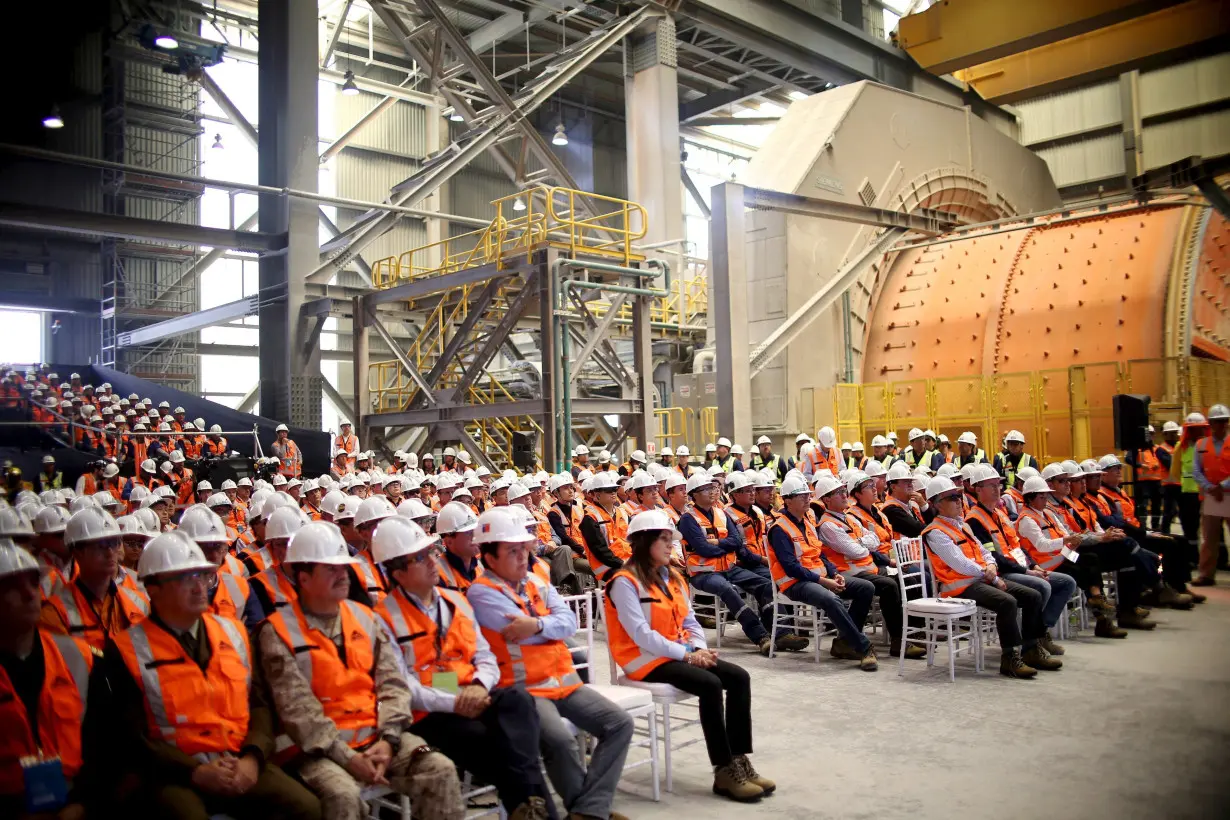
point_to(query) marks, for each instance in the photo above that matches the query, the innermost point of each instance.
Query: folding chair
(801, 619)
(708, 604)
(948, 619)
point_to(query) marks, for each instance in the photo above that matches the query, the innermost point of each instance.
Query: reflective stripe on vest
(715, 530)
(545, 669)
(452, 579)
(64, 596)
(370, 576)
(1011, 471)
(1169, 448)
(1044, 560)
(807, 549)
(663, 611)
(950, 581)
(415, 630)
(236, 595)
(854, 531)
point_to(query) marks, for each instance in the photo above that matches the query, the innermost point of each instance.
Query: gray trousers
(584, 791)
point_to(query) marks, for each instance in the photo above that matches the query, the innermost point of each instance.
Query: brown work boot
(1203, 582)
(1098, 603)
(1048, 643)
(1136, 621)
(707, 621)
(912, 651)
(868, 661)
(1174, 599)
(1105, 628)
(841, 649)
(730, 781)
(766, 645)
(1011, 665)
(792, 643)
(1197, 598)
(617, 816)
(766, 785)
(535, 808)
(1036, 657)
(1148, 597)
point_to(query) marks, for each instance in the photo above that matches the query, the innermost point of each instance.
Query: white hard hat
(319, 542)
(48, 519)
(217, 428)
(892, 436)
(1109, 462)
(219, 499)
(737, 450)
(938, 486)
(967, 437)
(463, 457)
(1035, 484)
(455, 517)
(683, 450)
(151, 499)
(153, 524)
(948, 470)
(397, 536)
(49, 459)
(78, 504)
(177, 456)
(227, 484)
(1195, 418)
(794, 485)
(51, 497)
(133, 525)
(372, 509)
(279, 480)
(710, 447)
(166, 467)
(203, 525)
(178, 409)
(855, 479)
(14, 560)
(581, 450)
(1052, 471)
(673, 480)
(1090, 466)
(763, 479)
(138, 494)
(723, 442)
(1015, 436)
(699, 480)
(879, 441)
(559, 480)
(517, 490)
(1170, 427)
(827, 437)
(204, 486)
(716, 469)
(449, 451)
(92, 524)
(914, 433)
(413, 508)
(149, 466)
(1074, 469)
(737, 481)
(640, 480)
(845, 445)
(1026, 473)
(335, 503)
(500, 524)
(968, 471)
(826, 483)
(171, 552)
(983, 472)
(604, 457)
(281, 428)
(928, 433)
(474, 483)
(764, 440)
(638, 456)
(165, 427)
(1219, 412)
(650, 521)
(874, 468)
(285, 522)
(481, 471)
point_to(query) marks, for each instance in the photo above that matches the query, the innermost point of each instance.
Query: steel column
(651, 93)
(642, 422)
(361, 344)
(288, 158)
(728, 304)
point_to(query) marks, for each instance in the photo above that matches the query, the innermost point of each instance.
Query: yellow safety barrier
(1063, 413)
(708, 428)
(670, 426)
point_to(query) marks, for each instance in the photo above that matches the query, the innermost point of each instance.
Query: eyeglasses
(108, 545)
(426, 555)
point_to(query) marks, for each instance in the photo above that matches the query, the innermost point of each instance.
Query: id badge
(1071, 555)
(445, 682)
(46, 788)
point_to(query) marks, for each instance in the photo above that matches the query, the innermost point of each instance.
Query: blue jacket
(783, 548)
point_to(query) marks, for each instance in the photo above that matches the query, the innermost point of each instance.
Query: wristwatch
(393, 739)
(540, 626)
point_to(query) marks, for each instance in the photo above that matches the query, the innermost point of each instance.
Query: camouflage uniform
(428, 778)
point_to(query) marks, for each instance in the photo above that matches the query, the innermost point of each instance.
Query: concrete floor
(1138, 728)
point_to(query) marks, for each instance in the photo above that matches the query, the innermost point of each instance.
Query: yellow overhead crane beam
(956, 34)
(1107, 51)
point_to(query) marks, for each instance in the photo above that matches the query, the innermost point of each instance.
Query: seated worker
(565, 514)
(188, 712)
(643, 494)
(803, 574)
(370, 513)
(655, 638)
(740, 488)
(94, 605)
(990, 525)
(488, 731)
(525, 621)
(1050, 546)
(1115, 509)
(1013, 498)
(1114, 551)
(964, 568)
(458, 566)
(715, 550)
(229, 596)
(45, 682)
(848, 546)
(328, 663)
(604, 525)
(274, 587)
(903, 509)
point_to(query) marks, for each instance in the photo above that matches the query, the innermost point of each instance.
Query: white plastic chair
(382, 798)
(637, 703)
(708, 604)
(664, 696)
(801, 619)
(950, 620)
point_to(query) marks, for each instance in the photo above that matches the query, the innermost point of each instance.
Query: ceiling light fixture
(518, 204)
(217, 142)
(455, 116)
(348, 86)
(797, 95)
(53, 120)
(560, 137)
(166, 41)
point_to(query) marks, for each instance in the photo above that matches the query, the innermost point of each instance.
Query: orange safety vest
(1169, 448)
(256, 559)
(370, 575)
(450, 578)
(715, 532)
(869, 523)
(953, 583)
(278, 588)
(345, 444)
(855, 531)
(807, 548)
(1005, 537)
(610, 526)
(572, 520)
(754, 530)
(424, 650)
(345, 688)
(187, 481)
(83, 620)
(1216, 466)
(911, 508)
(290, 465)
(1044, 560)
(1109, 496)
(89, 485)
(61, 709)
(202, 713)
(1148, 467)
(1082, 511)
(540, 568)
(543, 529)
(817, 460)
(544, 669)
(231, 596)
(664, 610)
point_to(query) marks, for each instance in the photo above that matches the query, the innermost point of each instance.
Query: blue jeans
(849, 623)
(722, 584)
(1055, 590)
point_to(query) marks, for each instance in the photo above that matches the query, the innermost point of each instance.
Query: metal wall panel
(1070, 112)
(401, 129)
(368, 176)
(1185, 85)
(1095, 158)
(1206, 135)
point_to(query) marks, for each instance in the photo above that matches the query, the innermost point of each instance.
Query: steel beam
(339, 401)
(412, 371)
(41, 218)
(497, 336)
(720, 99)
(596, 334)
(337, 33)
(693, 191)
(249, 398)
(33, 300)
(461, 413)
(921, 220)
(955, 35)
(248, 306)
(728, 306)
(334, 148)
(1107, 51)
(419, 288)
(251, 351)
(820, 301)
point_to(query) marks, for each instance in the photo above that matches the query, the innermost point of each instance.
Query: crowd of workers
(283, 648)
